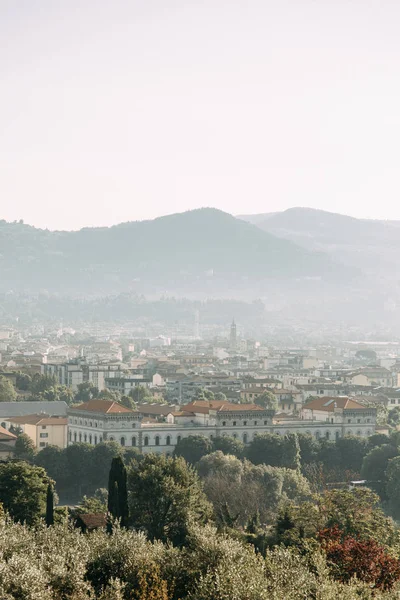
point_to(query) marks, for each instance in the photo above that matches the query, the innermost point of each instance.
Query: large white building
(101, 420)
(79, 371)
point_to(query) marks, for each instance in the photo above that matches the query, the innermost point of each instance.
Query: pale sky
(117, 110)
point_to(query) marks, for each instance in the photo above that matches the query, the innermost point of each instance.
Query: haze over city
(120, 111)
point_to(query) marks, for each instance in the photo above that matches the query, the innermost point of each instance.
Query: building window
(317, 435)
(134, 441)
(349, 420)
(85, 423)
(235, 436)
(75, 436)
(223, 423)
(90, 439)
(245, 423)
(95, 439)
(265, 422)
(358, 432)
(234, 423)
(337, 434)
(122, 441)
(358, 420)
(91, 424)
(70, 436)
(146, 441)
(111, 439)
(245, 438)
(327, 435)
(44, 435)
(157, 440)
(85, 437)
(255, 422)
(42, 444)
(100, 439)
(44, 426)
(178, 439)
(168, 440)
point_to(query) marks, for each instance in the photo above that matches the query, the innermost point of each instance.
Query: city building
(43, 429)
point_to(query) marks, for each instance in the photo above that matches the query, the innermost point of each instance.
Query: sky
(118, 110)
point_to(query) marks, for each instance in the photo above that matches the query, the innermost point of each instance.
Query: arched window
(80, 437)
(134, 441)
(95, 423)
(111, 439)
(168, 442)
(245, 438)
(359, 432)
(327, 435)
(133, 425)
(223, 423)
(75, 421)
(122, 441)
(146, 441)
(337, 435)
(235, 436)
(178, 439)
(85, 423)
(75, 436)
(85, 437)
(90, 439)
(70, 436)
(95, 439)
(317, 435)
(91, 424)
(100, 439)
(157, 440)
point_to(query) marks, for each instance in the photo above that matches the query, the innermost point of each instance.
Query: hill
(370, 245)
(199, 249)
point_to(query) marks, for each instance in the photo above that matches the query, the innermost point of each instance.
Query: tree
(93, 504)
(110, 395)
(291, 452)
(266, 449)
(54, 461)
(117, 491)
(352, 450)
(309, 448)
(267, 400)
(86, 391)
(365, 559)
(79, 468)
(128, 402)
(7, 390)
(378, 439)
(101, 459)
(193, 448)
(139, 394)
(165, 498)
(228, 445)
(24, 448)
(220, 396)
(23, 381)
(41, 384)
(23, 491)
(375, 464)
(392, 476)
(50, 505)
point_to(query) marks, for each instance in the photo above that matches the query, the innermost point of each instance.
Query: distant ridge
(185, 248)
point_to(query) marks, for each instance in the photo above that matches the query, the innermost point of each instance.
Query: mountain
(370, 245)
(204, 249)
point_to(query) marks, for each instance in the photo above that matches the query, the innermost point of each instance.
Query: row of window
(245, 423)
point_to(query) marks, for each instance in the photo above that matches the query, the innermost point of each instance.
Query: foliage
(365, 559)
(93, 504)
(24, 448)
(7, 390)
(165, 498)
(266, 449)
(49, 505)
(193, 448)
(375, 464)
(291, 452)
(23, 491)
(267, 400)
(117, 504)
(228, 445)
(86, 391)
(139, 394)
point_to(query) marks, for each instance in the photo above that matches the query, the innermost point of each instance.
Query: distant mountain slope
(181, 249)
(371, 245)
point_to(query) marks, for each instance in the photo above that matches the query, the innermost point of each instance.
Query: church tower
(233, 336)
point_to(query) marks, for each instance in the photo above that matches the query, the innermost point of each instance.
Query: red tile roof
(38, 420)
(6, 436)
(103, 406)
(328, 404)
(204, 406)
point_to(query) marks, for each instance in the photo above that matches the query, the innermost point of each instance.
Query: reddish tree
(364, 559)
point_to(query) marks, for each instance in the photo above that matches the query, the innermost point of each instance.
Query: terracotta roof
(204, 406)
(329, 404)
(103, 406)
(6, 436)
(93, 520)
(38, 420)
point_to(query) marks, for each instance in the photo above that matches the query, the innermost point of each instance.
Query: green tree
(375, 464)
(24, 448)
(220, 396)
(377, 439)
(23, 381)
(140, 394)
(117, 491)
(23, 491)
(266, 449)
(392, 477)
(41, 384)
(165, 498)
(86, 391)
(267, 400)
(110, 395)
(7, 390)
(49, 505)
(93, 504)
(193, 448)
(79, 468)
(309, 448)
(54, 461)
(228, 445)
(291, 452)
(128, 402)
(101, 458)
(352, 450)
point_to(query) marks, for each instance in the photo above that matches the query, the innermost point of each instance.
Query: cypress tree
(50, 505)
(117, 491)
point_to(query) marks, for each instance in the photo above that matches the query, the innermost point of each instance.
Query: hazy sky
(115, 110)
